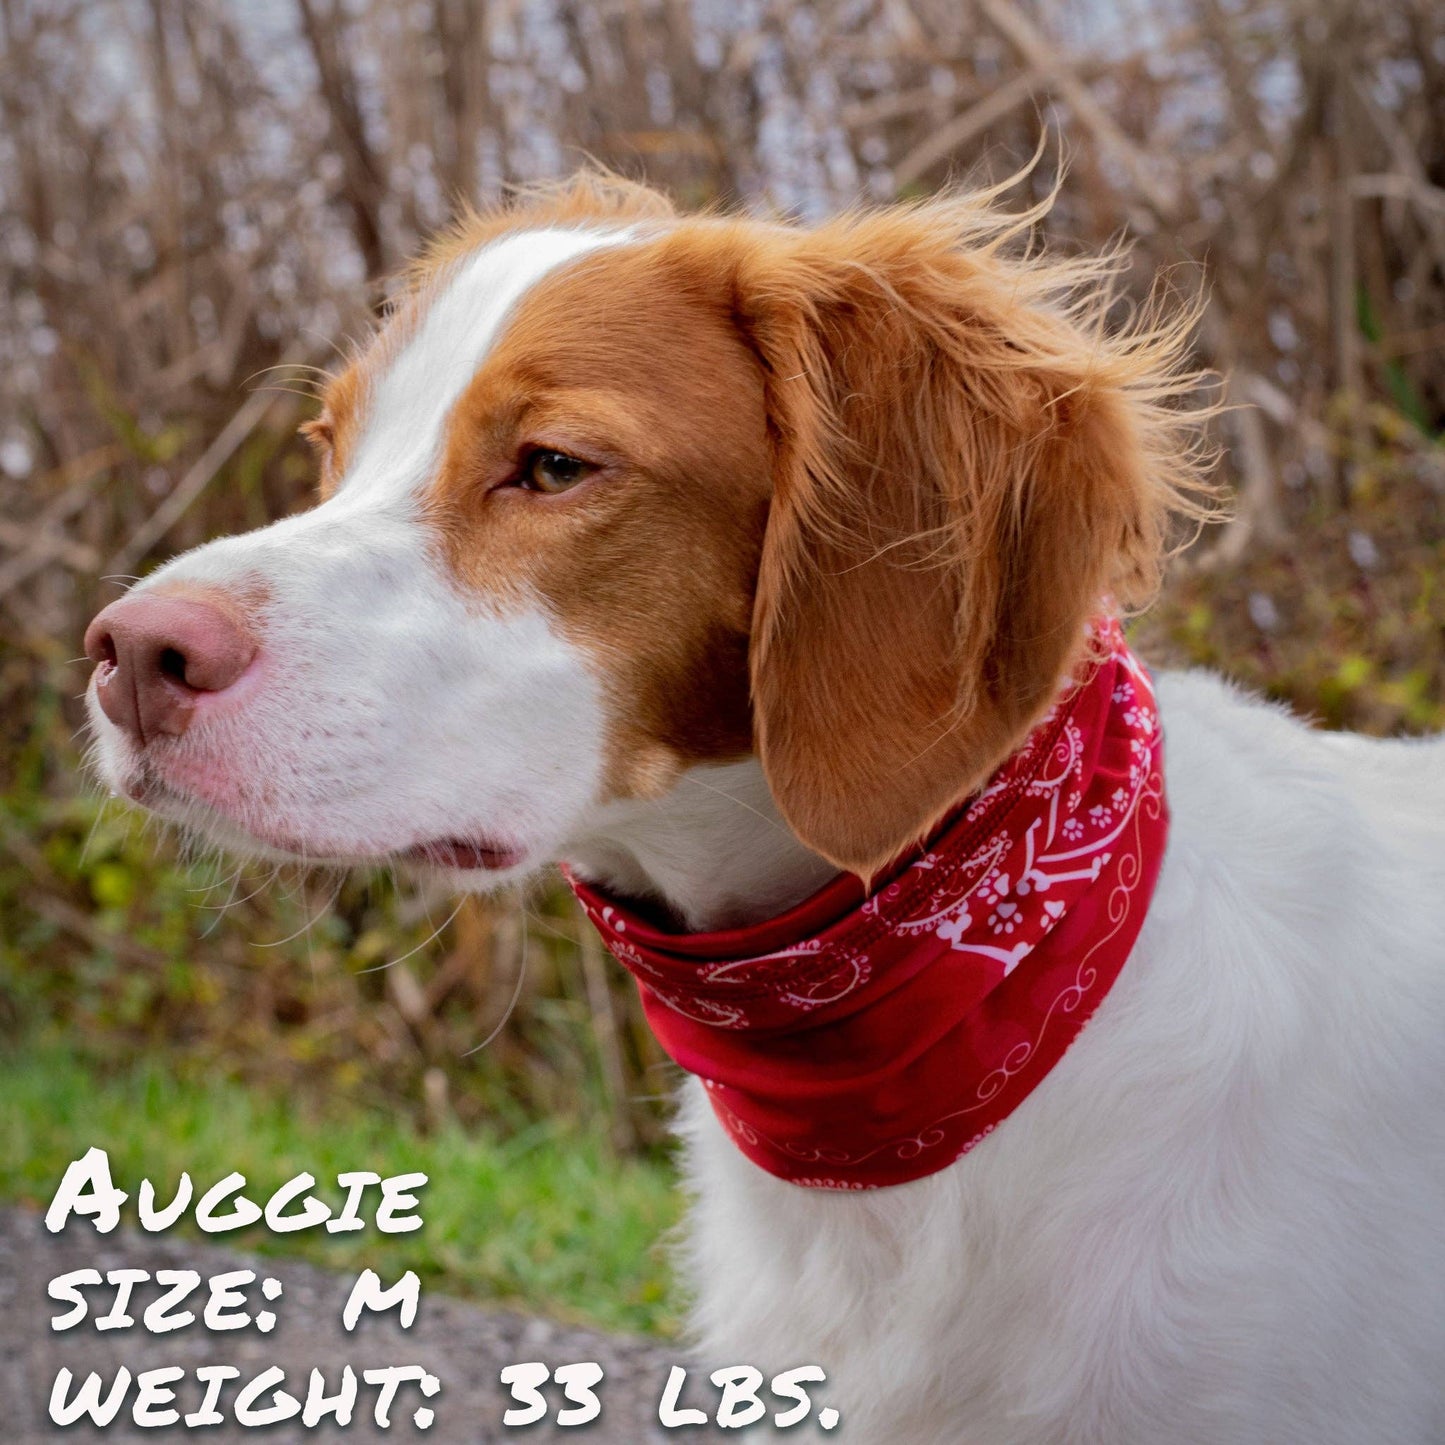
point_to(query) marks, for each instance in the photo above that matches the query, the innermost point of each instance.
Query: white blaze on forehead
(463, 320)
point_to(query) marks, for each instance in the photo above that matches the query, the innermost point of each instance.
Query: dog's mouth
(476, 854)
(462, 853)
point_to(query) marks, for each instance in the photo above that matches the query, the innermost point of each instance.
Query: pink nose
(156, 654)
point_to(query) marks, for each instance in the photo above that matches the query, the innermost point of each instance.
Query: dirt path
(463, 1345)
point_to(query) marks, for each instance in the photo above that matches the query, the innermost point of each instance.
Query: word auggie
(88, 1190)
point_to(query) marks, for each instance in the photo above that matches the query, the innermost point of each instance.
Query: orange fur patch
(628, 360)
(335, 433)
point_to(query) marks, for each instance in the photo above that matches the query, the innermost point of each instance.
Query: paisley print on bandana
(869, 1037)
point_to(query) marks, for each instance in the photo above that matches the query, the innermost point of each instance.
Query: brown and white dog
(712, 557)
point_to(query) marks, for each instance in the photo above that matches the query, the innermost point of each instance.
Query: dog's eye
(551, 472)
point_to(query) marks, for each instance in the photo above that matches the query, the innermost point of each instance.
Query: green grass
(549, 1220)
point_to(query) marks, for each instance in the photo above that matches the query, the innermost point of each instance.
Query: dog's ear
(965, 462)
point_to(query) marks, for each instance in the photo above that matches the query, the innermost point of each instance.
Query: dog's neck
(713, 851)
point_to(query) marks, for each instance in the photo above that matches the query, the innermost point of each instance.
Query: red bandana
(864, 1039)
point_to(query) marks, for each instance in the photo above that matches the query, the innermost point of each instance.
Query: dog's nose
(157, 654)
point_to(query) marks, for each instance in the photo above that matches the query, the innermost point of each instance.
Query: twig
(202, 474)
(1343, 282)
(604, 1029)
(79, 924)
(1257, 513)
(963, 127)
(1041, 56)
(41, 543)
(1401, 188)
(64, 914)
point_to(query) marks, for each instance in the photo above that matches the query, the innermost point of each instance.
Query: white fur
(1221, 1218)
(714, 847)
(459, 322)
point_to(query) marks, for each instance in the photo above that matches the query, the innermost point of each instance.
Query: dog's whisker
(218, 880)
(224, 907)
(311, 918)
(547, 927)
(94, 828)
(425, 943)
(516, 994)
(773, 823)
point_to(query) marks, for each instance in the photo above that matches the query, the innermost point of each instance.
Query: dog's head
(615, 492)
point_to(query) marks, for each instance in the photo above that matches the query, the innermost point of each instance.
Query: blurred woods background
(193, 191)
